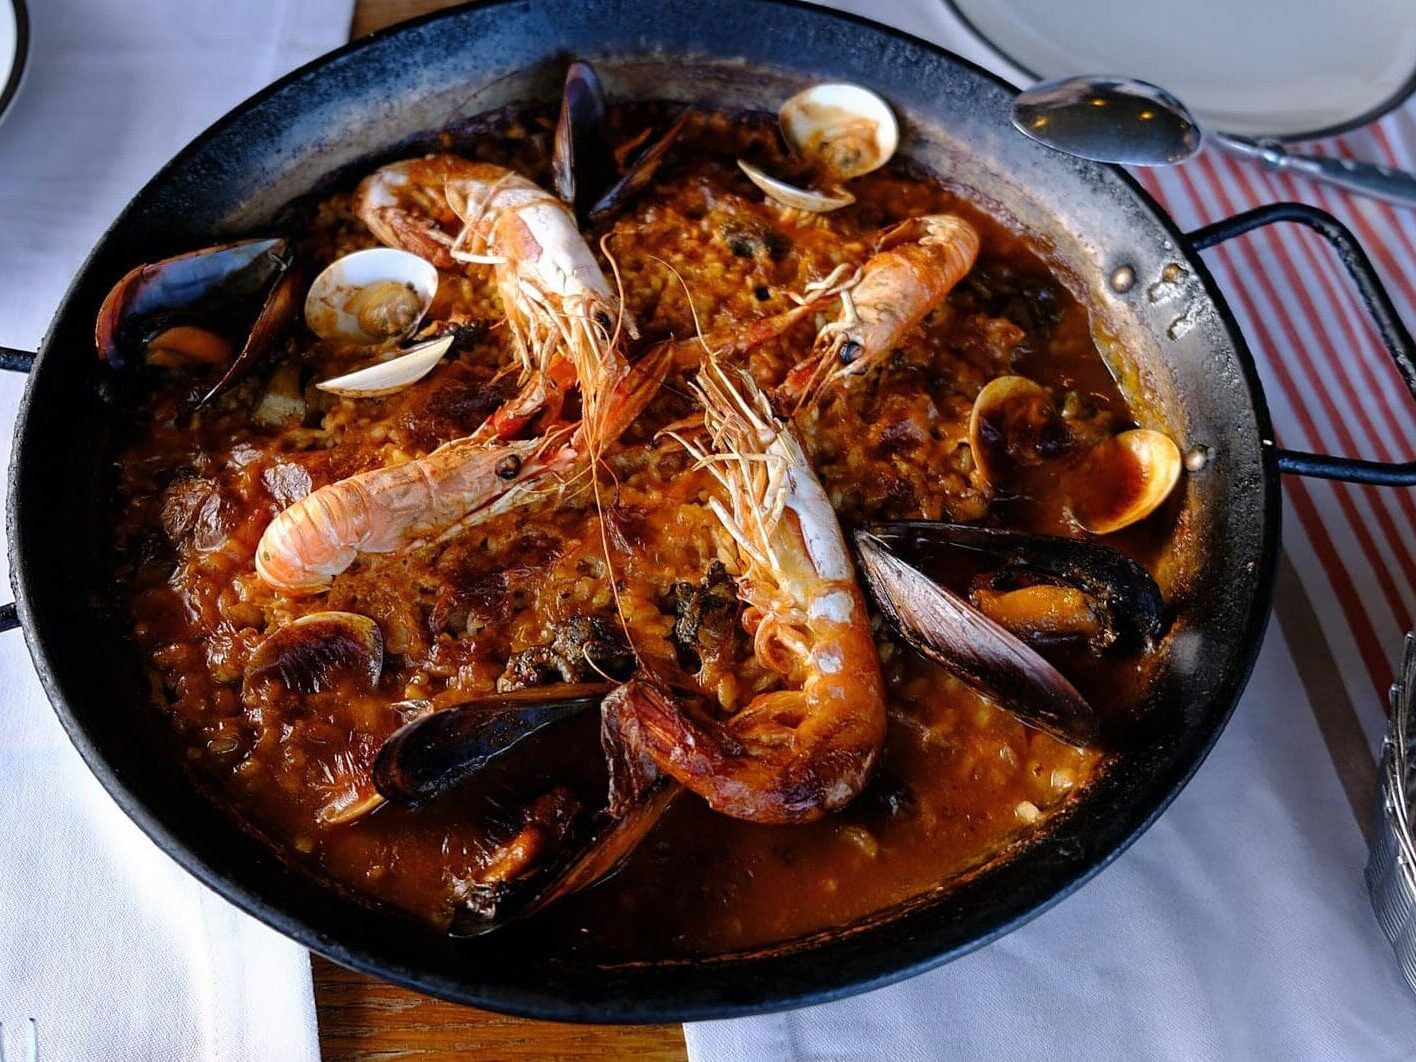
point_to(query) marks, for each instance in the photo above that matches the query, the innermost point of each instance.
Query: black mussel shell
(582, 165)
(951, 632)
(1125, 593)
(431, 754)
(221, 287)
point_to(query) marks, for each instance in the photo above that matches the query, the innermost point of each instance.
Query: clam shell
(388, 377)
(320, 652)
(791, 196)
(1151, 468)
(354, 290)
(845, 128)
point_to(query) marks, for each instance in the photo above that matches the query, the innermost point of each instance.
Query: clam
(948, 630)
(371, 297)
(845, 129)
(789, 195)
(222, 306)
(388, 377)
(586, 173)
(842, 131)
(1129, 476)
(319, 653)
(1014, 425)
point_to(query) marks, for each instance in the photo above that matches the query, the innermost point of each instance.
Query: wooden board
(362, 1020)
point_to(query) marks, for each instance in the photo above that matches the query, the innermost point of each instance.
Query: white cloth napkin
(113, 949)
(1239, 926)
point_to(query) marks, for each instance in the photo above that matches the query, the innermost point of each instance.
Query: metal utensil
(1391, 866)
(1135, 123)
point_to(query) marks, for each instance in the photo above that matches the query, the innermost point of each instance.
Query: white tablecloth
(114, 951)
(1238, 927)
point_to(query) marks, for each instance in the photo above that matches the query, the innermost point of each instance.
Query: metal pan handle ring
(1394, 335)
(15, 361)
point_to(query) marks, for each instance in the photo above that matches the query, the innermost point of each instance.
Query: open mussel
(561, 844)
(841, 131)
(448, 745)
(590, 848)
(1109, 485)
(219, 307)
(945, 628)
(596, 180)
(1046, 589)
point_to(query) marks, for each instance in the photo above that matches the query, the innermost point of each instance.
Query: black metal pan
(1192, 370)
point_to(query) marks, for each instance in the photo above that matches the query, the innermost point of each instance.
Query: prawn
(431, 498)
(919, 261)
(794, 754)
(566, 324)
(562, 313)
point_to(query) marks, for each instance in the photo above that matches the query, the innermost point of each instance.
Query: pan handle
(15, 361)
(1395, 336)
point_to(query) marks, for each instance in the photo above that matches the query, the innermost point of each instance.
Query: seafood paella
(688, 531)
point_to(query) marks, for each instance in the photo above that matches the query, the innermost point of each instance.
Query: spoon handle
(1365, 178)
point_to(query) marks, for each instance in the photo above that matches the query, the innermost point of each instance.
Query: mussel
(371, 297)
(219, 307)
(586, 173)
(948, 630)
(447, 745)
(561, 845)
(1014, 427)
(1045, 589)
(841, 131)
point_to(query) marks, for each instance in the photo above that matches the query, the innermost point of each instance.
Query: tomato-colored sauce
(960, 779)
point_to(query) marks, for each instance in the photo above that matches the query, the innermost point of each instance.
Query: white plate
(14, 43)
(1286, 68)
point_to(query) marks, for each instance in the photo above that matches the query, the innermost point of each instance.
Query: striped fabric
(1330, 385)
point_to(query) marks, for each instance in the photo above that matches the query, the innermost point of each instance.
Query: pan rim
(829, 983)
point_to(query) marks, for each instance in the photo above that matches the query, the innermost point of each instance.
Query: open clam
(320, 653)
(842, 131)
(1014, 426)
(371, 297)
(845, 129)
(391, 376)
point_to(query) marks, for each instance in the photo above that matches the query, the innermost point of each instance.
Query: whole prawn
(566, 323)
(794, 754)
(563, 315)
(918, 262)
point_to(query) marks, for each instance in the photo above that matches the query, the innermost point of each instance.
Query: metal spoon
(1134, 123)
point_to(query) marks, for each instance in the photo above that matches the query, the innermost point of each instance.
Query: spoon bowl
(1108, 119)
